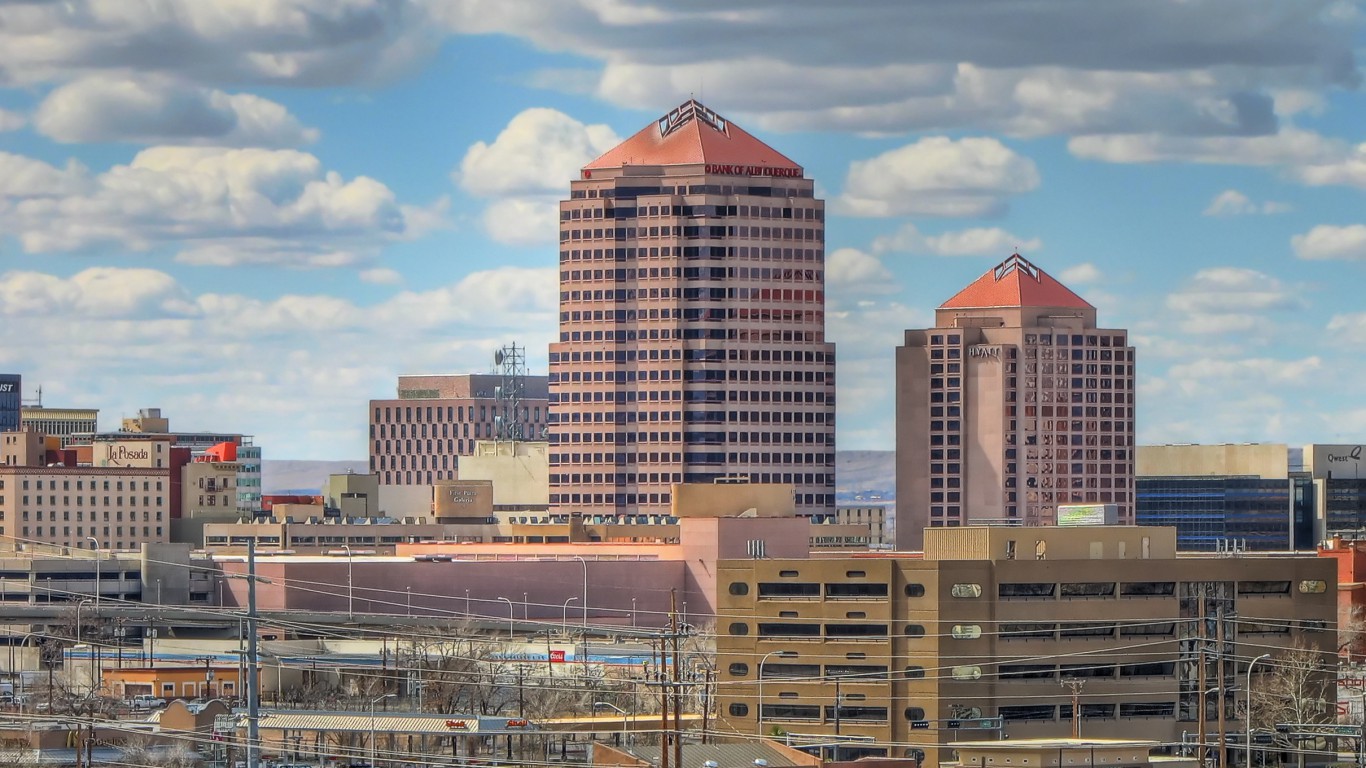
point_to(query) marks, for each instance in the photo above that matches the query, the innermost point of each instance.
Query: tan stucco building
(1013, 404)
(988, 623)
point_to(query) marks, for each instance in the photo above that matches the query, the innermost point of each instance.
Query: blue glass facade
(11, 391)
(1263, 514)
(1344, 509)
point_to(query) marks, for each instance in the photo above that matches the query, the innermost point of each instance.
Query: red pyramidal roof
(1015, 282)
(692, 133)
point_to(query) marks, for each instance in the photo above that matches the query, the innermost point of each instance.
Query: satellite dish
(498, 357)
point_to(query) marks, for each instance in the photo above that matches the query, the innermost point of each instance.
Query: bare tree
(1352, 632)
(1298, 689)
(141, 751)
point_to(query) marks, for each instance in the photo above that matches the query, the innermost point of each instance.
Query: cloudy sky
(254, 214)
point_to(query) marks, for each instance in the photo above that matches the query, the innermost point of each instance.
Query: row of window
(405, 415)
(691, 439)
(691, 232)
(95, 485)
(692, 417)
(80, 515)
(693, 396)
(694, 211)
(81, 533)
(696, 334)
(702, 355)
(692, 253)
(94, 501)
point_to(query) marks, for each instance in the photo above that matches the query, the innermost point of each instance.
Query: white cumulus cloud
(1231, 202)
(852, 271)
(217, 205)
(152, 110)
(525, 170)
(1327, 242)
(1230, 299)
(977, 241)
(938, 176)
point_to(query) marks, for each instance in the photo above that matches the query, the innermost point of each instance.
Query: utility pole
(253, 671)
(674, 689)
(1075, 684)
(208, 675)
(665, 735)
(1200, 593)
(1219, 670)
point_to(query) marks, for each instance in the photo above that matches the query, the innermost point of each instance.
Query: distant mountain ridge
(860, 476)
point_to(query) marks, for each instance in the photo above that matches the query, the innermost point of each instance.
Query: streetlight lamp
(564, 616)
(510, 616)
(349, 614)
(1247, 716)
(760, 714)
(409, 590)
(374, 701)
(626, 737)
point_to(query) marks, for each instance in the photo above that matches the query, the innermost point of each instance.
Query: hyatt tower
(692, 323)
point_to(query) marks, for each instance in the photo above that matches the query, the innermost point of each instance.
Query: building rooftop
(689, 134)
(1015, 282)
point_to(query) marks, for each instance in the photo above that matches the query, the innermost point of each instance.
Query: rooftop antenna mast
(511, 364)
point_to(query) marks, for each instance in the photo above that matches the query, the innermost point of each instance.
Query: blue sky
(254, 215)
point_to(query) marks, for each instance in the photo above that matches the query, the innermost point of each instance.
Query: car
(146, 701)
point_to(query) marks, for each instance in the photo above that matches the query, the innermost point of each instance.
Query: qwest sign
(754, 170)
(6, 387)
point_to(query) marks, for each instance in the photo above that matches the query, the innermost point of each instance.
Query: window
(739, 669)
(1086, 670)
(1156, 629)
(1313, 587)
(1085, 629)
(788, 589)
(1153, 669)
(966, 590)
(915, 713)
(1147, 709)
(788, 671)
(847, 712)
(1028, 712)
(739, 588)
(1264, 587)
(855, 591)
(915, 630)
(1025, 590)
(1027, 672)
(915, 590)
(1147, 589)
(855, 630)
(966, 631)
(862, 671)
(739, 710)
(1025, 631)
(915, 673)
(790, 712)
(739, 628)
(789, 630)
(1087, 589)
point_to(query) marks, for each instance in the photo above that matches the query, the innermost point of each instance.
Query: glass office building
(1259, 514)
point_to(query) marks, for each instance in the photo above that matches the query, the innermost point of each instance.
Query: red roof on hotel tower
(692, 133)
(1015, 282)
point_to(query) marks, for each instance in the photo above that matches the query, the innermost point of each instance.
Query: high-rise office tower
(692, 323)
(1014, 403)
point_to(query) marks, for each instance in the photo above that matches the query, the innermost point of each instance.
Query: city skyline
(256, 221)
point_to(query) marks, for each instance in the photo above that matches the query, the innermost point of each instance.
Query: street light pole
(349, 614)
(564, 616)
(759, 716)
(96, 552)
(584, 605)
(511, 616)
(372, 724)
(409, 590)
(1247, 716)
(626, 738)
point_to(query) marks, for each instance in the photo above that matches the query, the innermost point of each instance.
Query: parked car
(146, 701)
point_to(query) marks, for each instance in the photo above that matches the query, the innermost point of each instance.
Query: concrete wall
(1268, 460)
(724, 500)
(520, 472)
